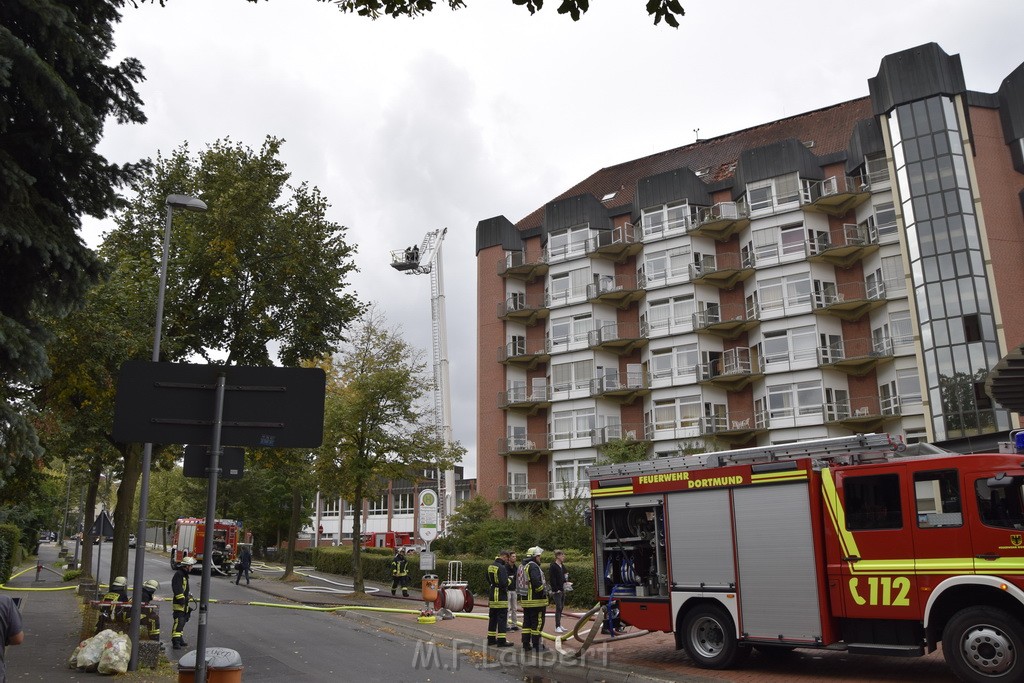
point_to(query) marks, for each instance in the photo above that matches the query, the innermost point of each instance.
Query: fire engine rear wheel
(710, 638)
(983, 644)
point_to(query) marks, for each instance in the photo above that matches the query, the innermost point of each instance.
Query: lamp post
(174, 201)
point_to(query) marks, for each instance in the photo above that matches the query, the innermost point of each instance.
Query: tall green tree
(378, 421)
(58, 86)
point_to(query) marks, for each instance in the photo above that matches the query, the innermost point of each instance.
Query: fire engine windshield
(1001, 505)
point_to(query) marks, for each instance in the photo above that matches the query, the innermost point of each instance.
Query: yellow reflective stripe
(1007, 564)
(837, 514)
(882, 567)
(613, 491)
(799, 475)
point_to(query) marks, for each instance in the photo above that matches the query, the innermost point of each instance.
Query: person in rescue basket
(499, 581)
(513, 598)
(244, 563)
(400, 573)
(534, 600)
(556, 579)
(182, 609)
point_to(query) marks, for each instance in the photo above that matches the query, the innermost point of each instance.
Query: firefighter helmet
(152, 585)
(188, 561)
(535, 551)
(119, 582)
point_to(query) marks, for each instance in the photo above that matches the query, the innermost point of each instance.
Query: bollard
(39, 569)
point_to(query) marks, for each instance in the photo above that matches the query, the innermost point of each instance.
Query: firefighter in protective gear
(182, 609)
(118, 590)
(499, 581)
(400, 573)
(149, 618)
(534, 602)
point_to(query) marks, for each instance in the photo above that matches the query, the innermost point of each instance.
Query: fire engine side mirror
(1000, 481)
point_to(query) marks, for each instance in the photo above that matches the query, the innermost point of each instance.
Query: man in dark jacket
(400, 573)
(556, 579)
(534, 602)
(181, 608)
(244, 564)
(499, 581)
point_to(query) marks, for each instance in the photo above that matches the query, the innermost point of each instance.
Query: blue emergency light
(1020, 442)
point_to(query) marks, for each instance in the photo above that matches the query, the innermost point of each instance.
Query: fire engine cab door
(873, 557)
(997, 527)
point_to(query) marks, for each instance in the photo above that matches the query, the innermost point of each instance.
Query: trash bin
(429, 588)
(222, 666)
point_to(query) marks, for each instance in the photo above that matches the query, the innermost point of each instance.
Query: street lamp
(173, 201)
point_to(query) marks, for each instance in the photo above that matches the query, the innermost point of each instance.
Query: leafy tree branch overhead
(668, 11)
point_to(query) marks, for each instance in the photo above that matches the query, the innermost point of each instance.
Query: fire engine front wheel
(710, 638)
(983, 644)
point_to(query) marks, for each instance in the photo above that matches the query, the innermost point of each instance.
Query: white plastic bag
(73, 659)
(116, 654)
(89, 655)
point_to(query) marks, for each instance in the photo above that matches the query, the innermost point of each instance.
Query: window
(403, 503)
(379, 506)
(937, 497)
(684, 411)
(781, 346)
(674, 362)
(567, 287)
(571, 476)
(666, 219)
(766, 245)
(673, 313)
(668, 264)
(899, 324)
(330, 507)
(773, 194)
(571, 329)
(885, 219)
(892, 275)
(572, 424)
(877, 169)
(873, 502)
(793, 240)
(1000, 506)
(570, 242)
(784, 292)
(908, 384)
(574, 375)
(791, 400)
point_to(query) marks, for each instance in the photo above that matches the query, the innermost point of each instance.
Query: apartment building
(849, 269)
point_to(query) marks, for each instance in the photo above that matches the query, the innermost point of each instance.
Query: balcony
(529, 448)
(835, 196)
(844, 249)
(623, 386)
(724, 271)
(518, 266)
(728, 321)
(522, 493)
(617, 244)
(517, 353)
(620, 338)
(654, 231)
(619, 432)
(529, 399)
(735, 428)
(865, 414)
(524, 309)
(615, 290)
(732, 371)
(855, 357)
(850, 301)
(561, 490)
(721, 221)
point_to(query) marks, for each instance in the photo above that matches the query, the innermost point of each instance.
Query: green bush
(9, 535)
(71, 574)
(376, 566)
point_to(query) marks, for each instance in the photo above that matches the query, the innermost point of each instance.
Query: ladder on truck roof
(858, 447)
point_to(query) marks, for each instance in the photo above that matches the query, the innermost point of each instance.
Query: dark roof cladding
(830, 128)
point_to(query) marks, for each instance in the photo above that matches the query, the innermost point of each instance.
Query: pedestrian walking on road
(513, 599)
(182, 608)
(11, 632)
(556, 579)
(499, 581)
(400, 573)
(244, 564)
(534, 599)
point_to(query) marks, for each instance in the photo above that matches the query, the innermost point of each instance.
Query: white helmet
(188, 561)
(152, 585)
(119, 582)
(535, 551)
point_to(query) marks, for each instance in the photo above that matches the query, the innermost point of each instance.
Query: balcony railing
(652, 232)
(866, 413)
(621, 338)
(724, 271)
(520, 266)
(530, 446)
(616, 290)
(523, 492)
(616, 244)
(530, 397)
(721, 221)
(849, 301)
(565, 297)
(728, 321)
(844, 247)
(736, 426)
(523, 353)
(560, 490)
(523, 308)
(733, 370)
(835, 196)
(856, 357)
(625, 386)
(618, 432)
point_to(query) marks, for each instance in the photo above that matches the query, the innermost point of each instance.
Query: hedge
(376, 565)
(9, 535)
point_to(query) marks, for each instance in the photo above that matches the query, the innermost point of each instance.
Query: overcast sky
(442, 121)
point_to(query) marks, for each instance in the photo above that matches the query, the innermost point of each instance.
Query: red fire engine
(190, 537)
(858, 543)
(387, 539)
